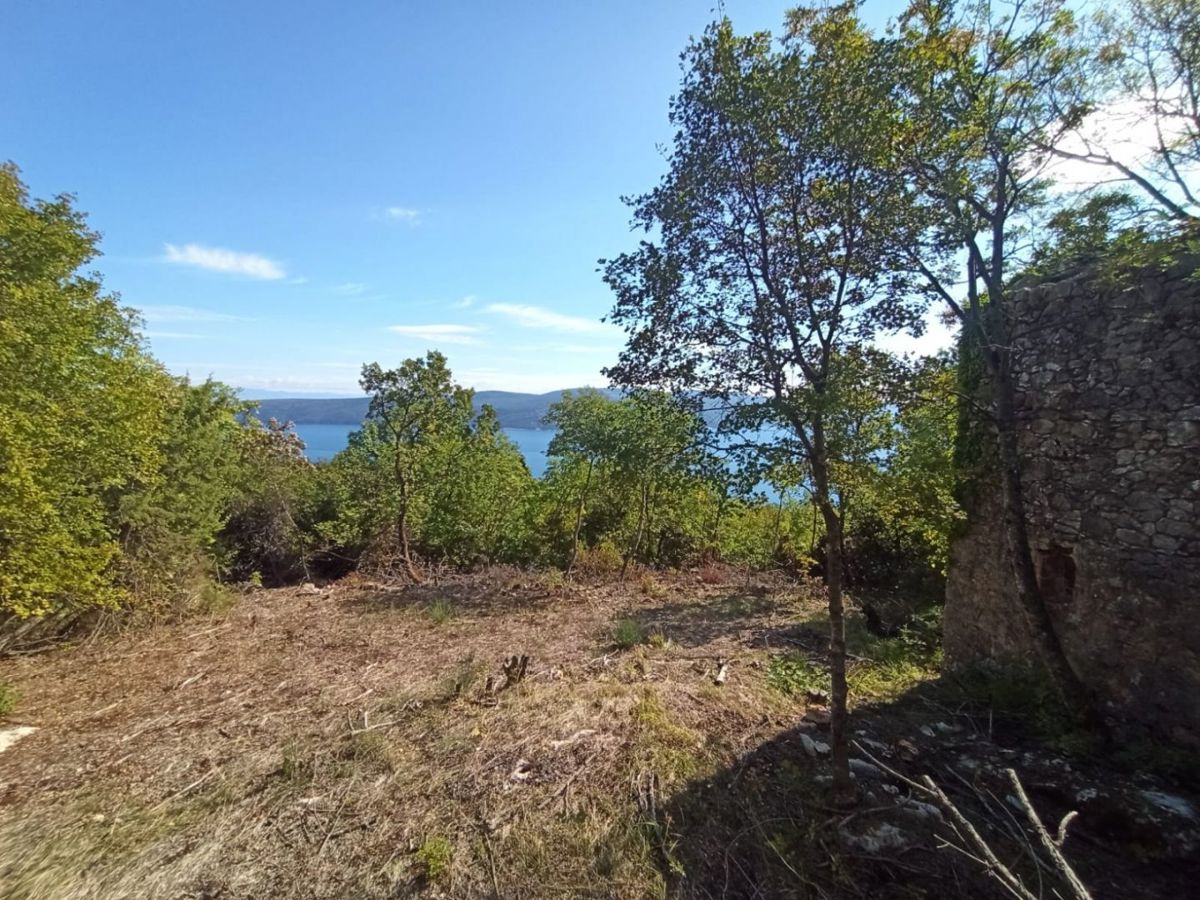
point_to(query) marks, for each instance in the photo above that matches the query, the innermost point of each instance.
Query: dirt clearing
(372, 742)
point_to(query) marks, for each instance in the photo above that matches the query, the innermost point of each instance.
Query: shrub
(603, 559)
(8, 698)
(440, 611)
(793, 674)
(434, 857)
(627, 633)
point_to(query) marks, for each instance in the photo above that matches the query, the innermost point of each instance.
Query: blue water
(322, 441)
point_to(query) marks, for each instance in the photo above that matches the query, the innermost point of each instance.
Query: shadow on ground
(763, 826)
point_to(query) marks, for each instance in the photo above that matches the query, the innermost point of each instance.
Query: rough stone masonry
(1108, 383)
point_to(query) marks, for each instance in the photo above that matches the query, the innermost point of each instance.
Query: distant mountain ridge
(515, 410)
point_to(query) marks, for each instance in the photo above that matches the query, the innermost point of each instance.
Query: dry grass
(358, 744)
(348, 744)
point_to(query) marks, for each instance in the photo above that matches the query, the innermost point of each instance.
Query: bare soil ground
(364, 742)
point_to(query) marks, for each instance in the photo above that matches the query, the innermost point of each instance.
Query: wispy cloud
(216, 259)
(350, 289)
(168, 313)
(465, 302)
(539, 317)
(439, 333)
(405, 214)
(172, 335)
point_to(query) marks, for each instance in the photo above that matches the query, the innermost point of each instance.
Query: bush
(440, 611)
(793, 674)
(434, 857)
(627, 634)
(8, 698)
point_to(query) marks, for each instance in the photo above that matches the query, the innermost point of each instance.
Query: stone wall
(1109, 424)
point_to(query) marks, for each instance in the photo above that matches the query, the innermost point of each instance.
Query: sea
(324, 441)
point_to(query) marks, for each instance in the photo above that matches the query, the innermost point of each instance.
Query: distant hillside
(515, 410)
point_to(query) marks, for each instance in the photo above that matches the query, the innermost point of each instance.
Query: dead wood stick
(179, 793)
(963, 827)
(1052, 847)
(336, 816)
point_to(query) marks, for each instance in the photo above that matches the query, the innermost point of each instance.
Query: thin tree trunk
(579, 518)
(402, 525)
(778, 521)
(637, 537)
(839, 694)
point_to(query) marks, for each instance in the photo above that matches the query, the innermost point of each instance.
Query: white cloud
(232, 262)
(438, 333)
(403, 214)
(1124, 128)
(465, 302)
(538, 317)
(350, 289)
(168, 313)
(938, 336)
(489, 379)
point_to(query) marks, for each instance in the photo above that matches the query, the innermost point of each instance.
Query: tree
(413, 408)
(978, 93)
(477, 496)
(170, 523)
(1144, 68)
(80, 411)
(657, 439)
(777, 255)
(585, 423)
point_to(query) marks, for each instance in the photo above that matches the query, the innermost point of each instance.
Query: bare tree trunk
(402, 526)
(839, 694)
(579, 519)
(637, 537)
(778, 523)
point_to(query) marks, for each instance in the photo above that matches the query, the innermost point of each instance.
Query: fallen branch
(1052, 846)
(984, 855)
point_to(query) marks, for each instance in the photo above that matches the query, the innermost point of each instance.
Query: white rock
(9, 736)
(1170, 803)
(877, 840)
(920, 810)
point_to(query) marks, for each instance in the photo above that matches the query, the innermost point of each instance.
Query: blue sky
(288, 190)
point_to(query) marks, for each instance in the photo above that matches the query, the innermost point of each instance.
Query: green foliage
(8, 698)
(441, 611)
(794, 674)
(434, 857)
(627, 634)
(79, 412)
(117, 482)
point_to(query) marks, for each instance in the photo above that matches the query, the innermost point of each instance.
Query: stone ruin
(1108, 400)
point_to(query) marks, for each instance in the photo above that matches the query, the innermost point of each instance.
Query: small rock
(309, 589)
(864, 769)
(878, 746)
(813, 748)
(1170, 803)
(920, 810)
(878, 839)
(818, 714)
